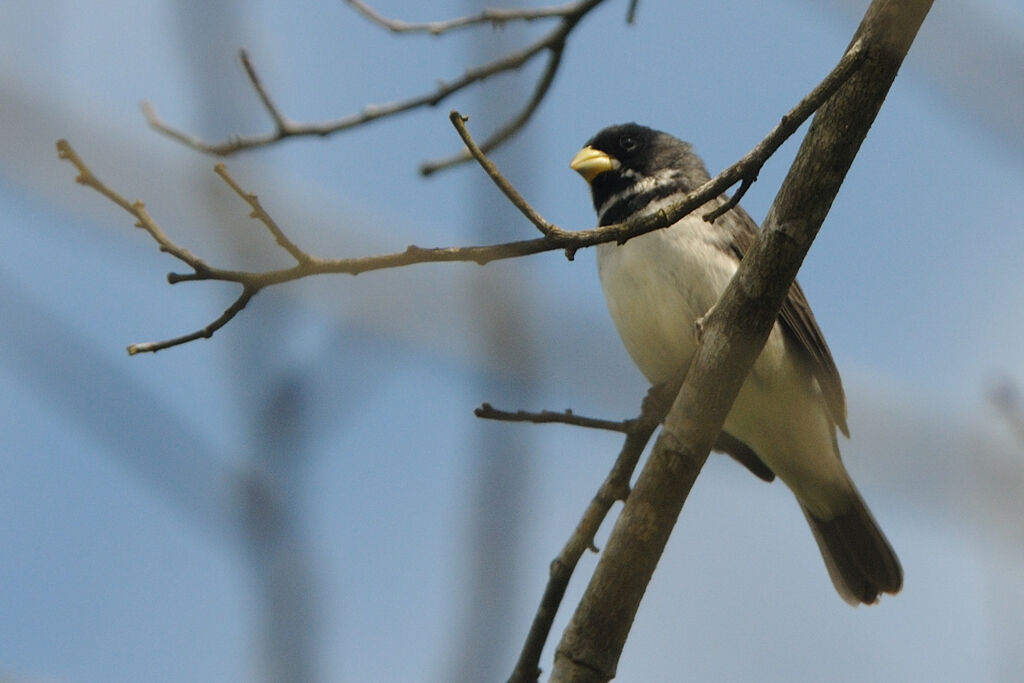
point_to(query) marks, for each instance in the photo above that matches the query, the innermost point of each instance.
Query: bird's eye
(628, 143)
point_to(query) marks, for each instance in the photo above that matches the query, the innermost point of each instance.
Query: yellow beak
(590, 163)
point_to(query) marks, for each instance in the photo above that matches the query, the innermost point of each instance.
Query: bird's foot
(698, 325)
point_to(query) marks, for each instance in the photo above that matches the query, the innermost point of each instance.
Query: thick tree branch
(553, 42)
(734, 333)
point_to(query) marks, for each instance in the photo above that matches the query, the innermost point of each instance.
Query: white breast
(657, 285)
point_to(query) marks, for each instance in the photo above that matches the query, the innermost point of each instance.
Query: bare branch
(554, 237)
(546, 228)
(554, 41)
(513, 125)
(261, 215)
(489, 412)
(495, 17)
(136, 209)
(791, 121)
(745, 185)
(264, 96)
(204, 333)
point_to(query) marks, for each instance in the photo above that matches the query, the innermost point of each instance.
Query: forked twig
(553, 42)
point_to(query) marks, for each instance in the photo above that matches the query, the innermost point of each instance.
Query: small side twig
(260, 214)
(251, 283)
(546, 228)
(567, 417)
(513, 125)
(205, 333)
(733, 200)
(631, 12)
(264, 96)
(137, 208)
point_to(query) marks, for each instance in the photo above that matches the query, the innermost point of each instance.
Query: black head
(629, 166)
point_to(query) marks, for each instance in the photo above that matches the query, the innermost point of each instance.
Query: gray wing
(797, 322)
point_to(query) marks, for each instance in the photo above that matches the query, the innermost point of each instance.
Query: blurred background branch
(553, 42)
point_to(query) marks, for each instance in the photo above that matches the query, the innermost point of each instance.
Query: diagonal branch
(475, 152)
(631, 11)
(205, 333)
(553, 237)
(260, 214)
(257, 85)
(553, 42)
(513, 125)
(200, 269)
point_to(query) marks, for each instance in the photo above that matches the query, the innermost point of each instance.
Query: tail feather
(859, 559)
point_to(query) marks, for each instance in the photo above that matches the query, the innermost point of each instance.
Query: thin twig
(732, 201)
(260, 214)
(264, 96)
(513, 125)
(136, 209)
(631, 12)
(553, 41)
(489, 412)
(546, 228)
(204, 333)
(200, 270)
(495, 17)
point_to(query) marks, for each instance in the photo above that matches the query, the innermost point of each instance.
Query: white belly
(656, 286)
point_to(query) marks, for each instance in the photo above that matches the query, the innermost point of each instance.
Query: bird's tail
(859, 559)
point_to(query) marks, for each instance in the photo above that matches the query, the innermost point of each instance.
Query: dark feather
(797, 320)
(859, 559)
(744, 455)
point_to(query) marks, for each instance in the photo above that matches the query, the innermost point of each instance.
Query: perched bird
(785, 417)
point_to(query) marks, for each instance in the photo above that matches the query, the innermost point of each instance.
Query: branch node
(546, 228)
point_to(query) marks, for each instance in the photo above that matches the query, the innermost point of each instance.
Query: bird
(786, 416)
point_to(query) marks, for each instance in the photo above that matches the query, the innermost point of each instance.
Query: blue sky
(121, 505)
